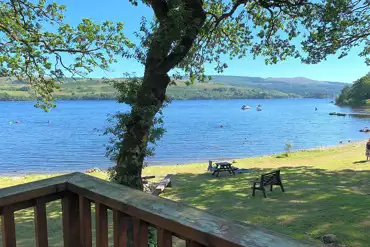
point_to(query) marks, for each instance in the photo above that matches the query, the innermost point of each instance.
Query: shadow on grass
(316, 201)
(360, 162)
(282, 156)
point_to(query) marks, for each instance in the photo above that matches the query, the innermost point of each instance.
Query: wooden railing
(131, 209)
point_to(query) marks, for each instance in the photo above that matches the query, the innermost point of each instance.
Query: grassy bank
(327, 191)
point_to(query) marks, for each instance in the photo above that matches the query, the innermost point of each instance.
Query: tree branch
(160, 9)
(196, 21)
(230, 13)
(46, 44)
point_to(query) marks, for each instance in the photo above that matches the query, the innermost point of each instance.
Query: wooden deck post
(85, 221)
(164, 238)
(41, 227)
(71, 220)
(140, 233)
(8, 227)
(101, 218)
(120, 227)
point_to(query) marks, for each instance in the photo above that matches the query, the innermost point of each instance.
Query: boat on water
(246, 107)
(259, 108)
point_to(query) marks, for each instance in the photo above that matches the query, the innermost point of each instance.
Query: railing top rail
(182, 220)
(32, 190)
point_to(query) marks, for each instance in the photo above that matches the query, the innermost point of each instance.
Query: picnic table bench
(223, 166)
(166, 181)
(144, 179)
(271, 178)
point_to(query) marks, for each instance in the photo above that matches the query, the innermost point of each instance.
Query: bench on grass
(271, 178)
(166, 181)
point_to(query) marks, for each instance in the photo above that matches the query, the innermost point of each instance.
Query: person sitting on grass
(368, 150)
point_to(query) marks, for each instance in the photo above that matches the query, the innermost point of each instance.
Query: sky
(347, 69)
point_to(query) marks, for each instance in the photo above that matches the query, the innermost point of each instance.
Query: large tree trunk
(162, 56)
(131, 156)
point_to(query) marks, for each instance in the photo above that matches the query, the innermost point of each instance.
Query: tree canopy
(276, 30)
(340, 25)
(34, 40)
(357, 94)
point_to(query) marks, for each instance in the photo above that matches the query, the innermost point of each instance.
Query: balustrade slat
(71, 219)
(164, 238)
(101, 225)
(140, 233)
(193, 244)
(85, 222)
(120, 227)
(41, 227)
(8, 227)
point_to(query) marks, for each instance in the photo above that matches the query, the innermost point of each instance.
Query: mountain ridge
(302, 86)
(220, 87)
(296, 79)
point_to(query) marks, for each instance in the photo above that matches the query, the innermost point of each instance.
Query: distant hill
(302, 86)
(220, 87)
(296, 80)
(93, 89)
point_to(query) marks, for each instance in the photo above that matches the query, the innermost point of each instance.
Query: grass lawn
(327, 191)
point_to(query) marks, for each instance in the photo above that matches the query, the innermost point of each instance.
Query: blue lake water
(69, 138)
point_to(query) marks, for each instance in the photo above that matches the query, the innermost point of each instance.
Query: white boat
(259, 108)
(246, 107)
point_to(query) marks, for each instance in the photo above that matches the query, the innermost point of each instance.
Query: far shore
(114, 98)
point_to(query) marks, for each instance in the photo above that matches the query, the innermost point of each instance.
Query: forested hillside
(358, 94)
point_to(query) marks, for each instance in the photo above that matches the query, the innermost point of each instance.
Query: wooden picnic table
(223, 167)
